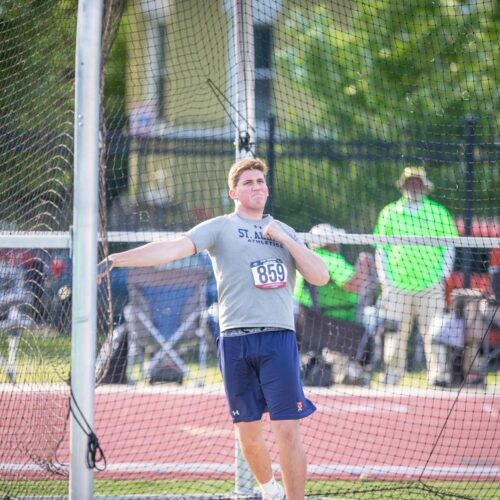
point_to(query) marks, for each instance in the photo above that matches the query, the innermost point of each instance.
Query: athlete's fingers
(270, 228)
(274, 230)
(103, 268)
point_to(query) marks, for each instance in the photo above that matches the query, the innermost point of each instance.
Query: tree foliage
(37, 63)
(36, 111)
(396, 66)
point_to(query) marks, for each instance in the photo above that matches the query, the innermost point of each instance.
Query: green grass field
(42, 357)
(365, 490)
(46, 359)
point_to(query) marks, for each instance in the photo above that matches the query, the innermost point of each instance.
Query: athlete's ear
(232, 194)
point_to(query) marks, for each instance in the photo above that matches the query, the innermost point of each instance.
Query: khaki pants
(477, 315)
(405, 308)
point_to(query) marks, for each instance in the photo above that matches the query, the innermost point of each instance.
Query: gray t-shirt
(255, 275)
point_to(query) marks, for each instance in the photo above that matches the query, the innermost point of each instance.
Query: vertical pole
(85, 214)
(245, 143)
(470, 130)
(245, 78)
(271, 160)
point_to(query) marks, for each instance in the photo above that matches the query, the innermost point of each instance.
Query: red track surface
(174, 432)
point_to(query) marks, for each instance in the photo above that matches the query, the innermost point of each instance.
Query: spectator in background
(344, 298)
(350, 287)
(413, 276)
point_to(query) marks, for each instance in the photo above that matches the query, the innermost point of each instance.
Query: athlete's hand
(275, 231)
(103, 269)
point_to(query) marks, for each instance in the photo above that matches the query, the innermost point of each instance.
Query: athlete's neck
(249, 213)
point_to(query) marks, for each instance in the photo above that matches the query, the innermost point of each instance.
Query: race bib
(269, 273)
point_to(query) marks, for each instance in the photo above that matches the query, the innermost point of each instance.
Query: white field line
(491, 392)
(367, 470)
(363, 408)
(492, 412)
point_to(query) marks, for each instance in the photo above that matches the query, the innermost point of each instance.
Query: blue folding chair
(165, 307)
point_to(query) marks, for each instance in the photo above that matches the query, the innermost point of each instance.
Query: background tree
(36, 112)
(37, 85)
(384, 84)
(396, 66)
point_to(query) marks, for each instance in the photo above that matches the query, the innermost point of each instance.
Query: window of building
(263, 71)
(162, 74)
(263, 46)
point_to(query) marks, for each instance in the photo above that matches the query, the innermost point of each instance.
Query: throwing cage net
(379, 124)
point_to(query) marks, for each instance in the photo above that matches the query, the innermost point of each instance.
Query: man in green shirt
(413, 276)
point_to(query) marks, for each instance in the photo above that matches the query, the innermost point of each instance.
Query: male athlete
(254, 258)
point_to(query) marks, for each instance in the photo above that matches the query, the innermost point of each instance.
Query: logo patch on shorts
(299, 406)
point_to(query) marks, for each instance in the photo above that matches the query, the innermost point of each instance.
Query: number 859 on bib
(269, 273)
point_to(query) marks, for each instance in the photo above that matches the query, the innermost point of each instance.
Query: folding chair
(13, 296)
(165, 307)
(341, 344)
(330, 346)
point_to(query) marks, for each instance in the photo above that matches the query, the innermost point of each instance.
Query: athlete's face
(251, 192)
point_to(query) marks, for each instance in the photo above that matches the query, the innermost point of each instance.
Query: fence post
(270, 162)
(469, 139)
(244, 65)
(85, 214)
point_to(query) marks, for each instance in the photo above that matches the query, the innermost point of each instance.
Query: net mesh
(399, 351)
(36, 109)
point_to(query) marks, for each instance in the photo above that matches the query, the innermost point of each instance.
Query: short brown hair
(241, 166)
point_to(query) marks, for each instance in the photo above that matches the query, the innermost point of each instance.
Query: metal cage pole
(244, 109)
(244, 69)
(85, 215)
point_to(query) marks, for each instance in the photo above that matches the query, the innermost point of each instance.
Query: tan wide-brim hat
(417, 173)
(322, 235)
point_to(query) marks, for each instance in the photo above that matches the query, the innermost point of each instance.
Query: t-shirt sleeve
(449, 226)
(204, 234)
(381, 225)
(291, 232)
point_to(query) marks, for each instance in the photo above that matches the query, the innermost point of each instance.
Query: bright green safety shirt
(333, 300)
(414, 267)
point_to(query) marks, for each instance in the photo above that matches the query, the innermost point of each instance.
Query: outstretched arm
(150, 254)
(310, 265)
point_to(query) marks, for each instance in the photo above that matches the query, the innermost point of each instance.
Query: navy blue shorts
(261, 372)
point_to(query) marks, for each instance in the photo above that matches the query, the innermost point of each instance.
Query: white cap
(414, 173)
(322, 235)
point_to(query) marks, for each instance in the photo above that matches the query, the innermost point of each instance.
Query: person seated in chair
(350, 288)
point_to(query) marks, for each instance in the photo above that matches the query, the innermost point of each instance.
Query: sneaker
(474, 380)
(279, 495)
(442, 384)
